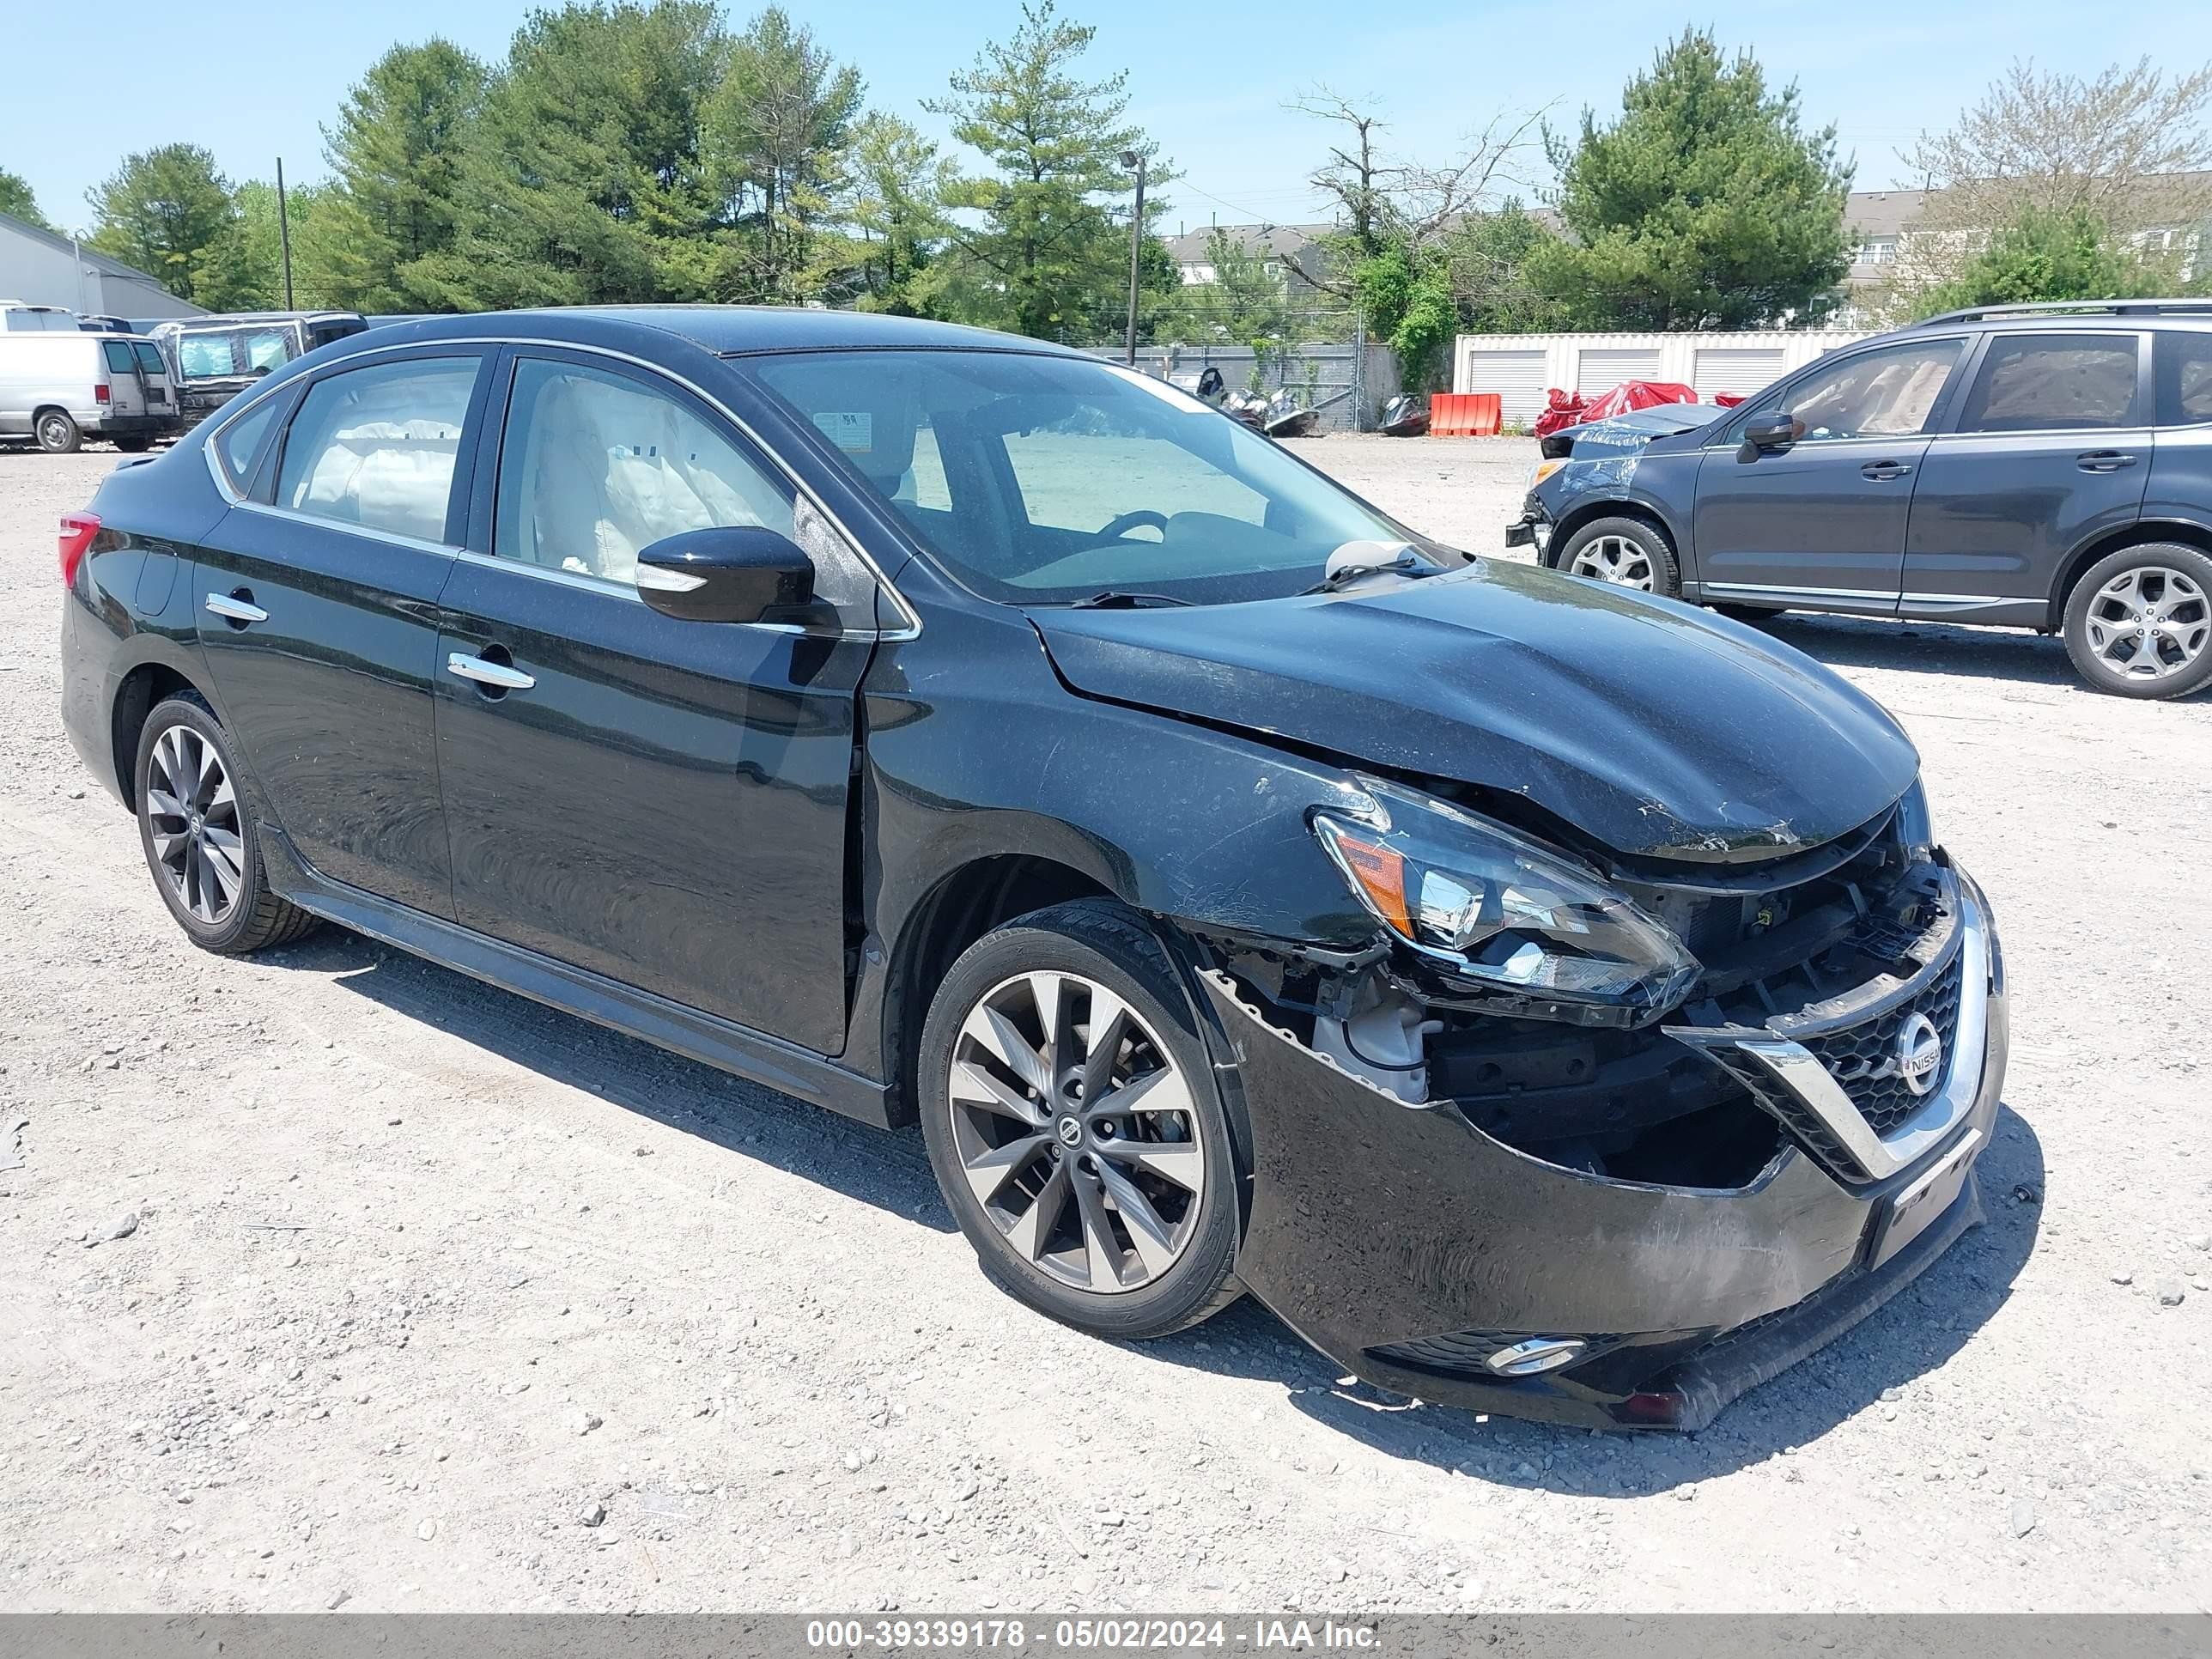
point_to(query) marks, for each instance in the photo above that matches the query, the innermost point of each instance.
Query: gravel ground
(336, 1278)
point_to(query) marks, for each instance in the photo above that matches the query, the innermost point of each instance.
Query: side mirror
(1768, 432)
(741, 574)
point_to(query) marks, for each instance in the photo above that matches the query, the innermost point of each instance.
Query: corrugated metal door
(1600, 368)
(1741, 369)
(1517, 378)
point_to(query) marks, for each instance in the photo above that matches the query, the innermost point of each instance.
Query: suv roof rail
(2059, 307)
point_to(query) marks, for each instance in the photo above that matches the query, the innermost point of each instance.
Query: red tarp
(1565, 408)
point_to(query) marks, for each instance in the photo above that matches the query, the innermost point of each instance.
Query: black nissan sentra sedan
(1545, 997)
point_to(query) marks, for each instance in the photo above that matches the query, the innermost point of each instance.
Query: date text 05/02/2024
(1112, 1635)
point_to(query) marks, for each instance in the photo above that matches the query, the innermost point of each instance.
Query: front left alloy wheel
(197, 827)
(1074, 1126)
(1622, 552)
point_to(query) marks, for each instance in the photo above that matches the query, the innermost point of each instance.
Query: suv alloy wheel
(1625, 552)
(2139, 623)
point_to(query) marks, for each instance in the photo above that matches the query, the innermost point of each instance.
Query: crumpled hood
(1653, 728)
(1635, 428)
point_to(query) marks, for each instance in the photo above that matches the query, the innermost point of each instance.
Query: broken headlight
(1501, 908)
(1914, 827)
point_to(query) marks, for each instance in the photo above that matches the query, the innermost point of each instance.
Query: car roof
(726, 330)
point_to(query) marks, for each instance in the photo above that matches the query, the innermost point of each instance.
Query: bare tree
(1353, 174)
(2122, 147)
(1385, 199)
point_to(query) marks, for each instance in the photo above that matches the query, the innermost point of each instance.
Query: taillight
(77, 531)
(99, 392)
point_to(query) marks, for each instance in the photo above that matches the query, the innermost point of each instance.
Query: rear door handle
(461, 666)
(237, 607)
(1883, 471)
(2103, 460)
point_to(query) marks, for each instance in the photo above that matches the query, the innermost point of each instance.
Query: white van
(55, 387)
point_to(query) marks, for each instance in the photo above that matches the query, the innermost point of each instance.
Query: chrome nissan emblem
(1919, 1053)
(1070, 1132)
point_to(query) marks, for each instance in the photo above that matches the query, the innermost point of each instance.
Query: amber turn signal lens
(1381, 874)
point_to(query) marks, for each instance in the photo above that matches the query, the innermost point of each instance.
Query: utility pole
(284, 233)
(1133, 159)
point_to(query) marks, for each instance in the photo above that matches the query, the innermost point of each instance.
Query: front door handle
(237, 606)
(499, 675)
(2103, 460)
(1883, 471)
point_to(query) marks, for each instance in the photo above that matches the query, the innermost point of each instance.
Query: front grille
(1794, 1114)
(1863, 1057)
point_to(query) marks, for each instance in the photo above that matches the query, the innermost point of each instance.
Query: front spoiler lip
(1373, 1223)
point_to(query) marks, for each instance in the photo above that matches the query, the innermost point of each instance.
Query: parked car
(1245, 893)
(94, 324)
(2035, 466)
(55, 387)
(216, 357)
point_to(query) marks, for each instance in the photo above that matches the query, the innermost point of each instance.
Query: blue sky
(253, 79)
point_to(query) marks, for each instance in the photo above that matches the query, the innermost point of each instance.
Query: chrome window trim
(606, 588)
(398, 538)
(910, 629)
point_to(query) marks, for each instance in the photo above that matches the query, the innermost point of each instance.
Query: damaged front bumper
(1532, 529)
(1415, 1249)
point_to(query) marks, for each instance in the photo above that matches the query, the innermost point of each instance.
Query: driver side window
(1890, 393)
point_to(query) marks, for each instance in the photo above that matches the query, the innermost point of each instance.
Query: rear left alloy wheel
(1074, 1126)
(197, 827)
(2139, 623)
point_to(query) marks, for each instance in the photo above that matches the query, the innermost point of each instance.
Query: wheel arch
(136, 695)
(1619, 507)
(2143, 533)
(966, 902)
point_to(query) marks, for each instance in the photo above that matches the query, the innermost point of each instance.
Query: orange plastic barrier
(1464, 415)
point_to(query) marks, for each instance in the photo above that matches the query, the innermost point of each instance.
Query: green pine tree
(166, 211)
(1705, 205)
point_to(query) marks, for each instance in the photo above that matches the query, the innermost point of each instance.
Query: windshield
(1048, 480)
(221, 355)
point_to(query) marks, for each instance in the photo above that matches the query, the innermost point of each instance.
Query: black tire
(254, 918)
(57, 433)
(137, 445)
(1666, 576)
(2098, 667)
(1104, 943)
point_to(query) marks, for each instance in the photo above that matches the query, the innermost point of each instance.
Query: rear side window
(376, 447)
(150, 356)
(2053, 383)
(2184, 361)
(239, 442)
(119, 356)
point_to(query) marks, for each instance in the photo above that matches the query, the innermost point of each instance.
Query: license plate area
(1908, 1214)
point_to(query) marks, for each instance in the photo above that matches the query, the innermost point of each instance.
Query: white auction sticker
(852, 432)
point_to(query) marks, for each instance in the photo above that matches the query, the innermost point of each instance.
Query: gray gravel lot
(334, 1279)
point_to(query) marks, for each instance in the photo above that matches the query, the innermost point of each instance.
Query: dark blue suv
(2032, 466)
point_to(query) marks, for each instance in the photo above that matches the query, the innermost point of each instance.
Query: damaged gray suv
(1244, 893)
